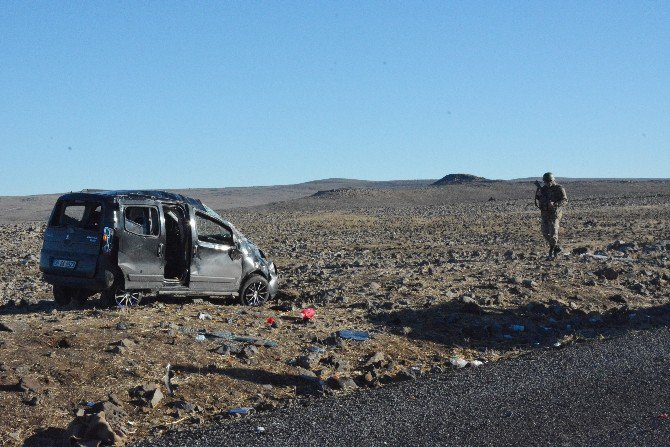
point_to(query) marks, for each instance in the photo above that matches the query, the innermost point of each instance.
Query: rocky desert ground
(427, 280)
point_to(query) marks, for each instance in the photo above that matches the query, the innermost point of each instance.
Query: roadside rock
(608, 273)
(341, 383)
(92, 427)
(148, 394)
(30, 384)
(309, 361)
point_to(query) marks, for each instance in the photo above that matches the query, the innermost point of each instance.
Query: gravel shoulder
(604, 393)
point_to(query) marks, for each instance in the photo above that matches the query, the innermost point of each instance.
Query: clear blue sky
(166, 94)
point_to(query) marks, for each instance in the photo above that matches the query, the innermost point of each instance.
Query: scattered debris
(240, 411)
(458, 362)
(167, 379)
(349, 334)
(307, 314)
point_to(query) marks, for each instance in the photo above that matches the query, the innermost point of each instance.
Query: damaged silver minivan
(129, 244)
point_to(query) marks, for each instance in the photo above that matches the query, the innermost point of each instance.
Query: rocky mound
(333, 192)
(459, 179)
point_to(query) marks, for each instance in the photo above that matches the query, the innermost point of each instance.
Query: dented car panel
(129, 243)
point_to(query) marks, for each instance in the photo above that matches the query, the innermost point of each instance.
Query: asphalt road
(605, 393)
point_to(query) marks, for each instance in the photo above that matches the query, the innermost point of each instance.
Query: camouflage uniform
(551, 216)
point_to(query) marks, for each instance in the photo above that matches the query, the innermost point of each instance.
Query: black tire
(255, 291)
(65, 295)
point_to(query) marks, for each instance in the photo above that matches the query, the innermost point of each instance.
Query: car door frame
(140, 257)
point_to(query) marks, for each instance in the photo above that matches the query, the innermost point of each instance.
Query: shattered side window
(212, 232)
(142, 220)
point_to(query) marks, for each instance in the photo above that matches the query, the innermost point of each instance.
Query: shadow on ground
(257, 376)
(469, 325)
(50, 437)
(305, 384)
(94, 302)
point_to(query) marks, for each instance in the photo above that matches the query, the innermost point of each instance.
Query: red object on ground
(307, 314)
(270, 321)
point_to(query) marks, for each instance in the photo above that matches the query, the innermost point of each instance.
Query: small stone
(342, 383)
(154, 397)
(608, 273)
(126, 343)
(309, 361)
(639, 288)
(375, 359)
(117, 350)
(4, 327)
(406, 374)
(33, 401)
(529, 283)
(121, 326)
(467, 299)
(64, 343)
(184, 406)
(249, 351)
(618, 298)
(30, 384)
(458, 362)
(113, 398)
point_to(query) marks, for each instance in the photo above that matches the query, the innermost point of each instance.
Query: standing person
(550, 199)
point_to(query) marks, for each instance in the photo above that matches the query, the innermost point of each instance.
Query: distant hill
(459, 179)
(467, 187)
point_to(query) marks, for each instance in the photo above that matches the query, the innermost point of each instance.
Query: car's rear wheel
(255, 291)
(65, 295)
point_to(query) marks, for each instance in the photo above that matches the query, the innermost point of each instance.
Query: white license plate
(64, 264)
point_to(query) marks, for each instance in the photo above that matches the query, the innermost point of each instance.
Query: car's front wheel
(117, 296)
(255, 291)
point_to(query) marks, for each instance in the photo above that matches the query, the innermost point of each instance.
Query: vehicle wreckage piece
(350, 334)
(129, 244)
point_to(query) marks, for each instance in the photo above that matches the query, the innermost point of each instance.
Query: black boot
(557, 250)
(550, 256)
